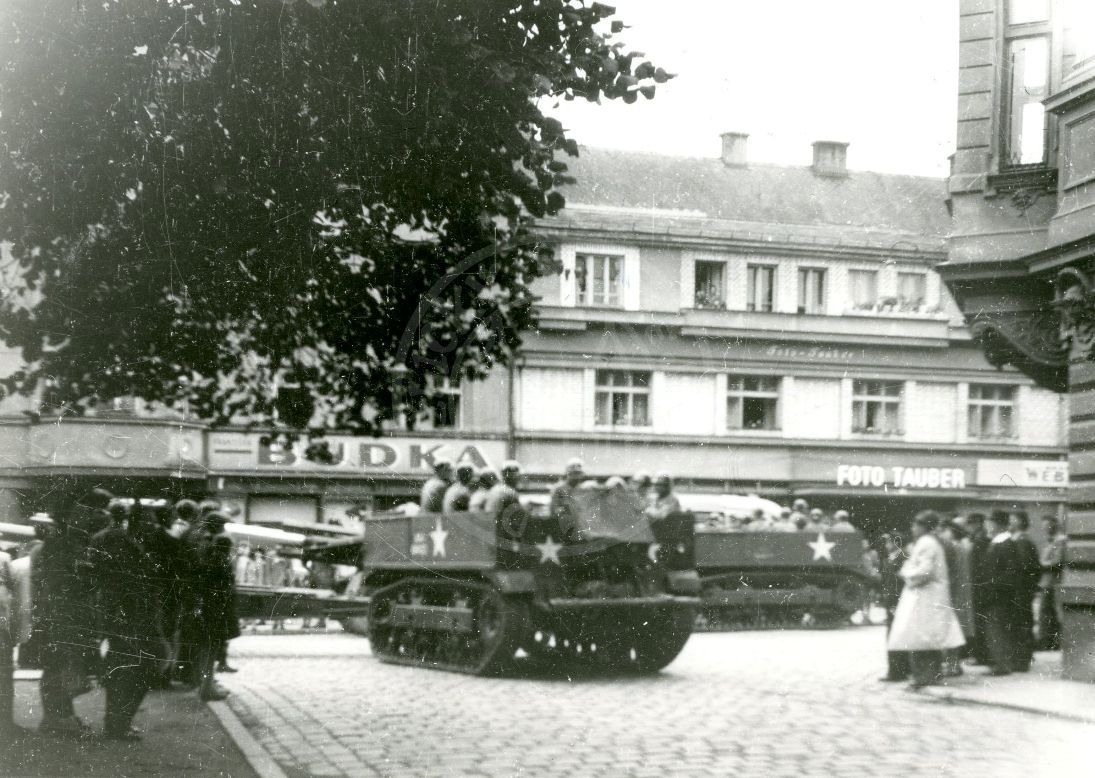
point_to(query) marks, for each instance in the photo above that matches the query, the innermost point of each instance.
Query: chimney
(733, 149)
(830, 158)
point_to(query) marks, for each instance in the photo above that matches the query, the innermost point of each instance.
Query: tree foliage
(204, 199)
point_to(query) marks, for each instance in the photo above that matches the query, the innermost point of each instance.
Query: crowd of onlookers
(136, 594)
(970, 587)
(799, 517)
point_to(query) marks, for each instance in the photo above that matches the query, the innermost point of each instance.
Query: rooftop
(659, 184)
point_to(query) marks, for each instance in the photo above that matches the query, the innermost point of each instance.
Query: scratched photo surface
(547, 388)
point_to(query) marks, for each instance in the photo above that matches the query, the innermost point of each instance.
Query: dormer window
(710, 285)
(599, 280)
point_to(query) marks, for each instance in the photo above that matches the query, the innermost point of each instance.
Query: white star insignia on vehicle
(549, 550)
(823, 549)
(438, 537)
(652, 552)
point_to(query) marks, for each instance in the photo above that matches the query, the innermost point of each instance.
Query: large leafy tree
(204, 198)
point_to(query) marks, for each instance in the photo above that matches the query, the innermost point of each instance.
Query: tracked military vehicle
(779, 579)
(471, 592)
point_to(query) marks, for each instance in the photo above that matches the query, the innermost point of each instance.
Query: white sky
(879, 74)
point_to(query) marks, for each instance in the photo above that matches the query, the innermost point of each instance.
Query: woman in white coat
(924, 623)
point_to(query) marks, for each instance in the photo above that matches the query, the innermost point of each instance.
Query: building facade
(1022, 244)
(754, 328)
(746, 328)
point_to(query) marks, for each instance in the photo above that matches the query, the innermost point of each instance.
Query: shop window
(991, 411)
(863, 289)
(761, 287)
(599, 280)
(752, 403)
(622, 398)
(811, 290)
(710, 285)
(876, 407)
(912, 291)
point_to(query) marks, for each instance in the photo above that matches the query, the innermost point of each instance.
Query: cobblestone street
(754, 704)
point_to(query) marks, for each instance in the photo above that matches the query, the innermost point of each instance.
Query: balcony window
(876, 407)
(761, 287)
(863, 289)
(991, 411)
(811, 290)
(912, 291)
(622, 398)
(752, 403)
(710, 286)
(599, 280)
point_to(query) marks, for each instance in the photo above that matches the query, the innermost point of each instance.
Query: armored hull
(780, 579)
(474, 592)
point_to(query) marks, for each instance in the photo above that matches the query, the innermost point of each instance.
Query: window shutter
(567, 286)
(631, 280)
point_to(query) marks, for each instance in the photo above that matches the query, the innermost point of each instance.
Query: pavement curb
(256, 755)
(951, 696)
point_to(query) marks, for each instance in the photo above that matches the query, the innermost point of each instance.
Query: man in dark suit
(979, 544)
(167, 554)
(1052, 557)
(203, 586)
(1001, 573)
(125, 591)
(62, 618)
(1029, 571)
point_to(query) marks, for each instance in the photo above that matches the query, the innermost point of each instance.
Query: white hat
(575, 465)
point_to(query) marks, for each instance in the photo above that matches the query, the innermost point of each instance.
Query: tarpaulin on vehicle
(611, 513)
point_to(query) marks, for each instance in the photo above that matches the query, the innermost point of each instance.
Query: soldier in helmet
(504, 494)
(433, 491)
(486, 481)
(562, 495)
(458, 496)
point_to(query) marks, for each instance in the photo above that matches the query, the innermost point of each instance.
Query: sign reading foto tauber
(901, 476)
(237, 451)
